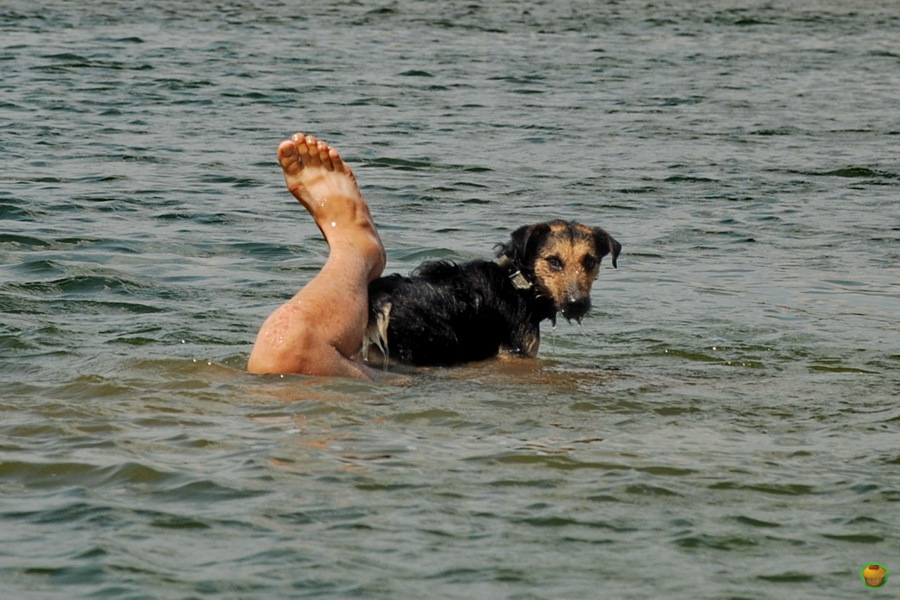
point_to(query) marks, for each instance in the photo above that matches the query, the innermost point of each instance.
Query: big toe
(289, 158)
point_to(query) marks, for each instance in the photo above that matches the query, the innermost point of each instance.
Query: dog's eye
(589, 263)
(555, 263)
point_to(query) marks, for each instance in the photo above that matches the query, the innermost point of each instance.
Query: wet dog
(446, 313)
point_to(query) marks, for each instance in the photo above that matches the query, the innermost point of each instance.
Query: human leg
(318, 330)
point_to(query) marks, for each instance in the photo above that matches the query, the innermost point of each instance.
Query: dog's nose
(576, 308)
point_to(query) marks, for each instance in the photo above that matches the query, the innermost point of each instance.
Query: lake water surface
(723, 425)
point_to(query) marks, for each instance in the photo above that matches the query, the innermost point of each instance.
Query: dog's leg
(322, 326)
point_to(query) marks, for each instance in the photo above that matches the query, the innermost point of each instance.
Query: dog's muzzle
(575, 309)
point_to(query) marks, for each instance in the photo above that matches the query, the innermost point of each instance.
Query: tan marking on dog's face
(566, 265)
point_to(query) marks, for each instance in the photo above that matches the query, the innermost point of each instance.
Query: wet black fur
(446, 313)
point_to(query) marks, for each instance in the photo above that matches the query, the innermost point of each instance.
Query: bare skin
(318, 331)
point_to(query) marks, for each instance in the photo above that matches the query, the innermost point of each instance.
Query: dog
(446, 313)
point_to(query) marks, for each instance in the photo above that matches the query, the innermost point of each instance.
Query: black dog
(446, 313)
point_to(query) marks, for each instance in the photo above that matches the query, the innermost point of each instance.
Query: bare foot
(320, 180)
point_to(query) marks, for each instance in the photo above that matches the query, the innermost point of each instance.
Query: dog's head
(561, 260)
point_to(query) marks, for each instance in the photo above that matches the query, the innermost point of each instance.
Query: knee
(275, 352)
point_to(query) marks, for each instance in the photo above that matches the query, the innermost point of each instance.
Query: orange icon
(874, 575)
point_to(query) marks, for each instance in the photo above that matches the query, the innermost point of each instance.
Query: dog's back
(446, 313)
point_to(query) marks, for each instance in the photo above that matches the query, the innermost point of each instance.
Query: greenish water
(723, 425)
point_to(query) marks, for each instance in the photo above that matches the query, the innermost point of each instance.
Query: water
(724, 424)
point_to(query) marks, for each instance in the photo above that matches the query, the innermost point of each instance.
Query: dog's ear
(606, 244)
(523, 244)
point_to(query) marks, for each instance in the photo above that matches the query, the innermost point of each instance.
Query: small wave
(23, 240)
(788, 577)
(78, 474)
(716, 542)
(84, 285)
(399, 164)
(855, 172)
(778, 489)
(744, 520)
(416, 73)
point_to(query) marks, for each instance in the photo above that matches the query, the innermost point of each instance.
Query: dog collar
(519, 281)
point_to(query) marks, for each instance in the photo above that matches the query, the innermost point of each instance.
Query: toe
(323, 152)
(309, 152)
(336, 162)
(288, 158)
